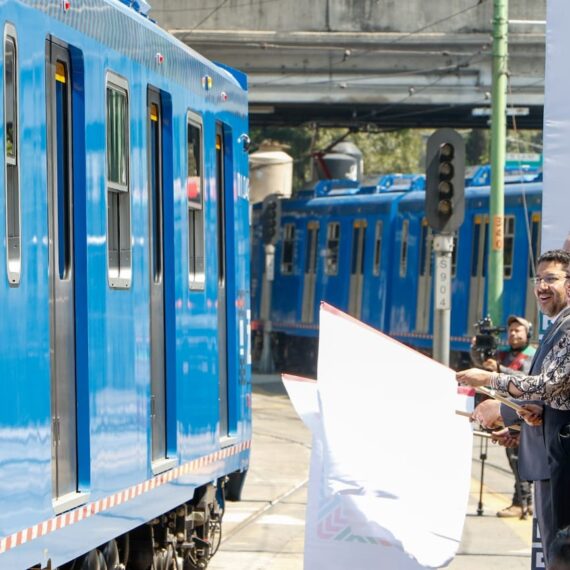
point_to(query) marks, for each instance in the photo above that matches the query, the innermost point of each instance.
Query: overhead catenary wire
(454, 69)
(451, 68)
(373, 50)
(432, 24)
(186, 9)
(210, 14)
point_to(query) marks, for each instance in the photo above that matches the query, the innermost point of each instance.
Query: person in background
(515, 360)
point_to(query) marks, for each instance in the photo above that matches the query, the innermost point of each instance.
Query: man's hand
(491, 364)
(532, 414)
(474, 377)
(488, 414)
(505, 438)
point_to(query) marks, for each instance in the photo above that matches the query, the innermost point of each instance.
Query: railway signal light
(270, 213)
(445, 180)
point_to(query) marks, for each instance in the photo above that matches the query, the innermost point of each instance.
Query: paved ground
(266, 530)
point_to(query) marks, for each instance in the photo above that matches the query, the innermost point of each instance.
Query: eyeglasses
(548, 279)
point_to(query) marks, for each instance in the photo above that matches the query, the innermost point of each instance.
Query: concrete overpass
(382, 63)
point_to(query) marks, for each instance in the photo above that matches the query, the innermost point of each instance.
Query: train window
(195, 202)
(118, 195)
(333, 241)
(509, 246)
(425, 249)
(13, 237)
(485, 246)
(404, 248)
(155, 184)
(480, 239)
(288, 254)
(377, 248)
(454, 256)
(64, 184)
(312, 245)
(358, 245)
(475, 248)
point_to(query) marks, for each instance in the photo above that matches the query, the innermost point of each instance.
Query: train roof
(124, 26)
(413, 201)
(532, 191)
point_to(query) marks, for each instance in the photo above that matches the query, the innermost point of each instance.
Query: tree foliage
(478, 144)
(384, 151)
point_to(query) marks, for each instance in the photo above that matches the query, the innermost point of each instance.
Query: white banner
(390, 466)
(556, 192)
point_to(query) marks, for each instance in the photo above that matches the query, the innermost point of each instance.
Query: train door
(531, 309)
(357, 269)
(424, 279)
(221, 151)
(310, 276)
(61, 272)
(478, 269)
(156, 276)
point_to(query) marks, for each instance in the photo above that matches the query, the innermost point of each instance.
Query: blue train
(125, 419)
(367, 249)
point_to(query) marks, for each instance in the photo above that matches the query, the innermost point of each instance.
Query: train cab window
(509, 246)
(118, 181)
(288, 254)
(333, 242)
(195, 202)
(11, 151)
(404, 248)
(377, 248)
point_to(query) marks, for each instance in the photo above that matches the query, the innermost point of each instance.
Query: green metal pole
(498, 142)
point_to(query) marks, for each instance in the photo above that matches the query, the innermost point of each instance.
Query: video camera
(486, 339)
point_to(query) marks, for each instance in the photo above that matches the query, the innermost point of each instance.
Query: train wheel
(94, 560)
(165, 559)
(123, 545)
(111, 555)
(171, 559)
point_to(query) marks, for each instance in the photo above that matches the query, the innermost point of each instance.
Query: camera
(486, 339)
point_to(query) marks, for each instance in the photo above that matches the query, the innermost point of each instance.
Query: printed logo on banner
(334, 524)
(332, 521)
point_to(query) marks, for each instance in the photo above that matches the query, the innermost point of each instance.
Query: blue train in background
(125, 418)
(366, 248)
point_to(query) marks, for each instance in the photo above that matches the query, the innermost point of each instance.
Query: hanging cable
(216, 9)
(344, 59)
(249, 5)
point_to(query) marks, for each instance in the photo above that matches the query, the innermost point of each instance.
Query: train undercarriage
(184, 538)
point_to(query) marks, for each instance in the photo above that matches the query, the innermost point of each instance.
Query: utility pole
(498, 141)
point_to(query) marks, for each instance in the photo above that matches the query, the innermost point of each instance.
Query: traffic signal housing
(445, 180)
(270, 219)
